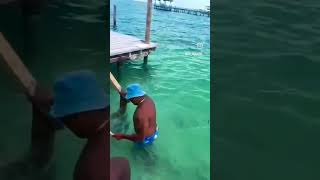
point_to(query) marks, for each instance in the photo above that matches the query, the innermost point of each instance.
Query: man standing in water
(84, 108)
(144, 118)
(81, 105)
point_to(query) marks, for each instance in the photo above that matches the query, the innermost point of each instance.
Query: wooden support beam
(118, 66)
(114, 16)
(145, 60)
(148, 22)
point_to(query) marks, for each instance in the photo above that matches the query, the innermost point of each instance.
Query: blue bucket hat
(77, 92)
(134, 90)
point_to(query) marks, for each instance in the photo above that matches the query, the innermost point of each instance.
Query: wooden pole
(115, 83)
(117, 86)
(148, 22)
(114, 16)
(42, 133)
(14, 64)
(145, 60)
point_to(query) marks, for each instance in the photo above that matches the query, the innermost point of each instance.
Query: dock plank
(121, 44)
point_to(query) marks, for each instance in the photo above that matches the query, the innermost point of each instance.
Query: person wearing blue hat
(144, 118)
(82, 106)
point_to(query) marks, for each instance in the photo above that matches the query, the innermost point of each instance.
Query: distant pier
(197, 12)
(124, 47)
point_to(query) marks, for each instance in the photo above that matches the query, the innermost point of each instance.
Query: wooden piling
(114, 16)
(148, 22)
(145, 60)
(118, 67)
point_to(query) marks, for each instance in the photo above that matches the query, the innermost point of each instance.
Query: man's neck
(142, 100)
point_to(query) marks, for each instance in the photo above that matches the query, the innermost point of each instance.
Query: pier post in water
(148, 22)
(114, 16)
(148, 27)
(145, 60)
(118, 67)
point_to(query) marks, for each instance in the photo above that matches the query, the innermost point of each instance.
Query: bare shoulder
(145, 110)
(151, 103)
(139, 115)
(150, 100)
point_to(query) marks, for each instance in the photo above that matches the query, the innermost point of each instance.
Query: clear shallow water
(67, 36)
(266, 95)
(179, 85)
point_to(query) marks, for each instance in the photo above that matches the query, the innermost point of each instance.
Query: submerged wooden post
(148, 21)
(145, 60)
(114, 16)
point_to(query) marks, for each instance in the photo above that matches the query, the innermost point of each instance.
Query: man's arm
(43, 131)
(123, 107)
(42, 139)
(134, 137)
(123, 103)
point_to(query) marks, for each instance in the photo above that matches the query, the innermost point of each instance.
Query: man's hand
(133, 137)
(41, 100)
(123, 99)
(123, 102)
(118, 136)
(123, 94)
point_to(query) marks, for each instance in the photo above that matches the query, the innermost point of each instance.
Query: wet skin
(144, 118)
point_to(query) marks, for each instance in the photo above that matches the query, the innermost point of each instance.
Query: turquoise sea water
(177, 77)
(266, 90)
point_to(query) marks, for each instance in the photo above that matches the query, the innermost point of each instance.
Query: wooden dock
(197, 12)
(124, 47)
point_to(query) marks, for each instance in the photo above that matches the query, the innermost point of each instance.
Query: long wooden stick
(117, 86)
(115, 83)
(14, 64)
